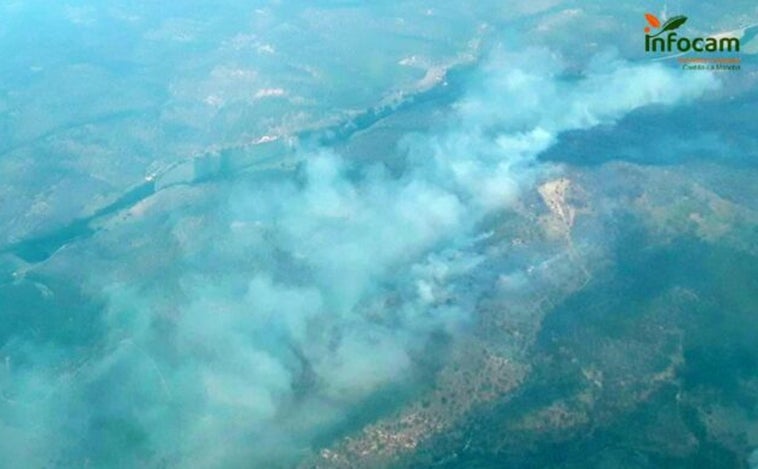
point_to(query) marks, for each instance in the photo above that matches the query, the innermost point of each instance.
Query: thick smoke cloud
(349, 271)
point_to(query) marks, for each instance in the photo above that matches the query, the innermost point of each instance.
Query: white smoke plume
(337, 279)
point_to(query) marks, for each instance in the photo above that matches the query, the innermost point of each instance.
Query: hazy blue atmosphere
(342, 234)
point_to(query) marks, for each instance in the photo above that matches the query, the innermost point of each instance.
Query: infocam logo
(672, 42)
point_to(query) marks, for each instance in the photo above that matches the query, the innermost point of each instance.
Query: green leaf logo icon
(673, 23)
